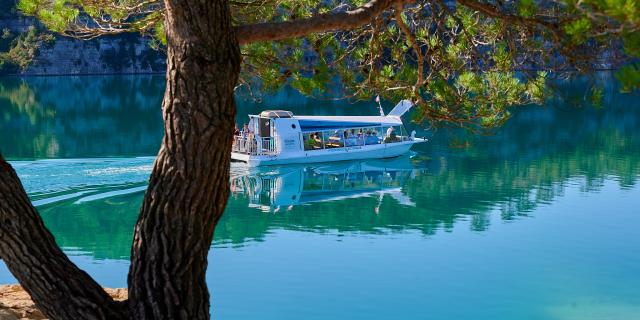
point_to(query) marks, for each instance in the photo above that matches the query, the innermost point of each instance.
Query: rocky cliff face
(128, 53)
(105, 55)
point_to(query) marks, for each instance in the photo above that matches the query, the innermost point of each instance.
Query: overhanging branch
(346, 20)
(494, 12)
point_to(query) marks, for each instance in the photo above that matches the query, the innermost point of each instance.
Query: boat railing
(254, 146)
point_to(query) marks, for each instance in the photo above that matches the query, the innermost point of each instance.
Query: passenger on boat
(335, 140)
(390, 131)
(318, 141)
(347, 136)
(391, 136)
(247, 136)
(236, 133)
(245, 130)
(371, 138)
(350, 138)
(360, 139)
(351, 141)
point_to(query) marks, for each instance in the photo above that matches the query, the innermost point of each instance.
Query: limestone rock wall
(120, 54)
(105, 55)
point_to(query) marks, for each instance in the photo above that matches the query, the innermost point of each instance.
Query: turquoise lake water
(540, 220)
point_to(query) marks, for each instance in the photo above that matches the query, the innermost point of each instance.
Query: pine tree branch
(331, 21)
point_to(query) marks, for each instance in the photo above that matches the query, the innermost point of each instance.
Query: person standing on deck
(389, 131)
(246, 136)
(234, 139)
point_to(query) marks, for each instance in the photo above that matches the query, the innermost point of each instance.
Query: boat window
(372, 136)
(339, 138)
(334, 138)
(312, 141)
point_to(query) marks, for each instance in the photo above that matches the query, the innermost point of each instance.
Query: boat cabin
(280, 133)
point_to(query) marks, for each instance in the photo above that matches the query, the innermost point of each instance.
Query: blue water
(538, 221)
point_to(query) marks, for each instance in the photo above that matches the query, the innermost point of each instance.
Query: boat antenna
(379, 105)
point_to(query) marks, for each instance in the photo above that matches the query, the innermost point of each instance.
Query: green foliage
(597, 96)
(461, 66)
(578, 30)
(159, 36)
(629, 77)
(17, 51)
(527, 8)
(6, 34)
(631, 42)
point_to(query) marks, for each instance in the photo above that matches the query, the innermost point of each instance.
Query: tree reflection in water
(530, 162)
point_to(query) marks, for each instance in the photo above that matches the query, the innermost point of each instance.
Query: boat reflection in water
(277, 188)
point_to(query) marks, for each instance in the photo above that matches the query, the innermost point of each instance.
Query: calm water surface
(539, 221)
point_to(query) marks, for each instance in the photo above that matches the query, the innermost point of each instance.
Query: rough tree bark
(58, 287)
(189, 185)
(187, 193)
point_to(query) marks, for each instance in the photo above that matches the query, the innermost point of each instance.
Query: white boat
(279, 137)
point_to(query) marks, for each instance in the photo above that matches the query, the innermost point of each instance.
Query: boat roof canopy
(401, 108)
(276, 114)
(321, 123)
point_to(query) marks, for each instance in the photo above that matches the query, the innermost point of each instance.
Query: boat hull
(386, 150)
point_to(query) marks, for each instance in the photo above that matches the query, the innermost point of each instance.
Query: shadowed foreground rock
(15, 303)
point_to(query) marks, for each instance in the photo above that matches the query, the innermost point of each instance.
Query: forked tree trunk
(187, 191)
(189, 185)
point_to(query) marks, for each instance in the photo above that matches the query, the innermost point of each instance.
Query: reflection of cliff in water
(98, 116)
(61, 117)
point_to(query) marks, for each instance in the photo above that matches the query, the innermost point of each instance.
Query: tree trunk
(187, 192)
(58, 287)
(189, 185)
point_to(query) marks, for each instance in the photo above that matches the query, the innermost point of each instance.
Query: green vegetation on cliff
(17, 50)
(19, 47)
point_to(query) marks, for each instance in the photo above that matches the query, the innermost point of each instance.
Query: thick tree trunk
(187, 192)
(188, 189)
(58, 288)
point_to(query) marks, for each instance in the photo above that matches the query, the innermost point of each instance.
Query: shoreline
(19, 75)
(16, 304)
(81, 74)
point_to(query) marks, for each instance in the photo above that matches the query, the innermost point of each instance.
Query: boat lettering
(289, 143)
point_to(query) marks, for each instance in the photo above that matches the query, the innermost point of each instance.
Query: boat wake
(82, 180)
